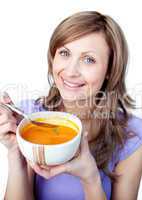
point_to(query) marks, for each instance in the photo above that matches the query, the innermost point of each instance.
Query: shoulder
(29, 106)
(134, 127)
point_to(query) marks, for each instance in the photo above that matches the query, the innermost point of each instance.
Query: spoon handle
(14, 109)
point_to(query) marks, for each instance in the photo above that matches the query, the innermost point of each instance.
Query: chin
(73, 98)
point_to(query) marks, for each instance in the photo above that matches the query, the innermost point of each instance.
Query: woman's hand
(82, 165)
(8, 126)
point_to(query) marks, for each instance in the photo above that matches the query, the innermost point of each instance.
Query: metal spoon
(14, 109)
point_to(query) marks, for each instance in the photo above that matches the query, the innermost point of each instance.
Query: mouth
(71, 85)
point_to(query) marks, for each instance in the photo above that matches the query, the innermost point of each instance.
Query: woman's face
(79, 67)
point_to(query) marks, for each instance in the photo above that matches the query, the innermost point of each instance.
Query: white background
(25, 30)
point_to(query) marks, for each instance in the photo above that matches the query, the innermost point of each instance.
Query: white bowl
(50, 154)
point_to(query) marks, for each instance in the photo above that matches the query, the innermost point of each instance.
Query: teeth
(71, 85)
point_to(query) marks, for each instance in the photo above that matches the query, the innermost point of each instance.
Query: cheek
(58, 65)
(57, 68)
(95, 79)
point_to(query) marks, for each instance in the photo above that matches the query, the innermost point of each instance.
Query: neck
(82, 108)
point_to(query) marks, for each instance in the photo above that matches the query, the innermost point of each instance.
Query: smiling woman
(87, 61)
(79, 69)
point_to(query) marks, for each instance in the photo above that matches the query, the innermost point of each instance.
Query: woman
(87, 60)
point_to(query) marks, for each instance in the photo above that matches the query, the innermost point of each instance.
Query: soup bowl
(50, 149)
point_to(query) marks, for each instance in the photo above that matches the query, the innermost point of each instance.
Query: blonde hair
(110, 129)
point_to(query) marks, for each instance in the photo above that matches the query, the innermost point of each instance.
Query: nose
(72, 68)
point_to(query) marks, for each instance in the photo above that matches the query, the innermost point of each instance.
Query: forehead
(93, 42)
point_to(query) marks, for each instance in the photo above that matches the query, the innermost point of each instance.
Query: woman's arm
(94, 191)
(19, 184)
(130, 171)
(20, 179)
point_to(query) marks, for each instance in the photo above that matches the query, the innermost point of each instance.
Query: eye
(89, 60)
(64, 53)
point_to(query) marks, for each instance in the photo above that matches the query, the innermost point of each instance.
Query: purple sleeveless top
(68, 187)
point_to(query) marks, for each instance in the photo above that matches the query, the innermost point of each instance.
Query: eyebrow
(82, 52)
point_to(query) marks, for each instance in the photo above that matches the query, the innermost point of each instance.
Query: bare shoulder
(129, 173)
(135, 159)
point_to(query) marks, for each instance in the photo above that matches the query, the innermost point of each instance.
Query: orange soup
(43, 135)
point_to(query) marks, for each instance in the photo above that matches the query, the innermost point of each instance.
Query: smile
(72, 85)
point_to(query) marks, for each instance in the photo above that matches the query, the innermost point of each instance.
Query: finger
(45, 167)
(9, 140)
(77, 153)
(4, 118)
(42, 172)
(5, 98)
(30, 163)
(5, 128)
(5, 110)
(84, 143)
(64, 168)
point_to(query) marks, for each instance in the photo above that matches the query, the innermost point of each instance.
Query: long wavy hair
(111, 128)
